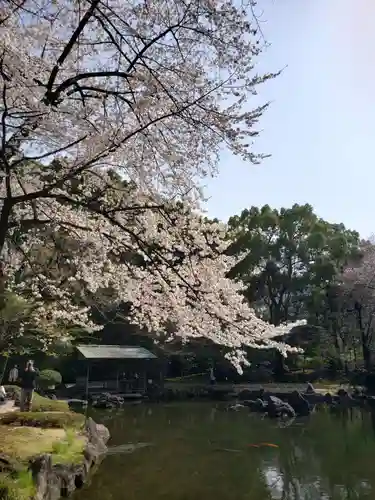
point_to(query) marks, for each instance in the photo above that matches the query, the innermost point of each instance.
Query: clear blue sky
(320, 128)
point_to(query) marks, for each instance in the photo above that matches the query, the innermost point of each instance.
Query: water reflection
(330, 455)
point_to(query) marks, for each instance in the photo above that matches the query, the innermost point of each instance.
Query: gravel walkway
(7, 407)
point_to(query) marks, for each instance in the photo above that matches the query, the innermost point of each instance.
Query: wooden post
(4, 368)
(87, 380)
(87, 389)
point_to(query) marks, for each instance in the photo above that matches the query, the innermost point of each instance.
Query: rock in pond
(310, 389)
(345, 399)
(236, 407)
(107, 401)
(299, 404)
(278, 408)
(77, 403)
(258, 405)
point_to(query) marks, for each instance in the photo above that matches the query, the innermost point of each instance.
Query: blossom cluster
(154, 88)
(358, 277)
(164, 259)
(112, 112)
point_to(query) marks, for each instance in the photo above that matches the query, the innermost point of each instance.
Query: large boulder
(107, 401)
(277, 408)
(345, 399)
(246, 394)
(98, 435)
(236, 407)
(77, 404)
(257, 405)
(310, 389)
(299, 404)
(9, 465)
(47, 483)
(369, 383)
(328, 399)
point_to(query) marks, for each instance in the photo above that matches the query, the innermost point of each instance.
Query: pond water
(202, 452)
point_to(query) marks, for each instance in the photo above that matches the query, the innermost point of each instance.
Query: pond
(199, 451)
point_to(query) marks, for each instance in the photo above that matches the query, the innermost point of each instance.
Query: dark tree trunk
(280, 367)
(366, 351)
(4, 221)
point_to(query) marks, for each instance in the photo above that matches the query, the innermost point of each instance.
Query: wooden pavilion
(127, 370)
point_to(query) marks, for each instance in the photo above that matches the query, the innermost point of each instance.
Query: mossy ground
(22, 443)
(18, 487)
(49, 428)
(44, 420)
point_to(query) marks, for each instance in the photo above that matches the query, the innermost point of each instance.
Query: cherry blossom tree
(358, 288)
(149, 91)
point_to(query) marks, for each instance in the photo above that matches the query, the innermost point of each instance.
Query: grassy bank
(39, 403)
(49, 428)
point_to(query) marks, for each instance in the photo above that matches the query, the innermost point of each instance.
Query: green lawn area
(52, 419)
(21, 443)
(49, 428)
(39, 403)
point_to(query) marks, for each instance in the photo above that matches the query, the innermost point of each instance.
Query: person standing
(212, 376)
(28, 379)
(3, 394)
(13, 375)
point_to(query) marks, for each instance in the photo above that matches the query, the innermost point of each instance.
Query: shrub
(48, 378)
(70, 449)
(13, 391)
(45, 404)
(315, 363)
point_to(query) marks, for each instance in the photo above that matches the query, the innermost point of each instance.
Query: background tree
(286, 257)
(358, 290)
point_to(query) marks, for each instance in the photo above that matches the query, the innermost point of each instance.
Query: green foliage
(70, 449)
(20, 336)
(19, 487)
(48, 378)
(14, 311)
(32, 434)
(288, 255)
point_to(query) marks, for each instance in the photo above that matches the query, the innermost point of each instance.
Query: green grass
(49, 428)
(70, 449)
(57, 420)
(45, 404)
(39, 403)
(22, 443)
(17, 487)
(26, 435)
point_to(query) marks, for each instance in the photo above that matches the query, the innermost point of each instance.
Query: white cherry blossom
(151, 91)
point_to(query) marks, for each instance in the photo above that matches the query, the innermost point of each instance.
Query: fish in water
(229, 450)
(269, 445)
(127, 448)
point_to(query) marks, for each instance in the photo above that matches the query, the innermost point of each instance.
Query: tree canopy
(112, 113)
(285, 256)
